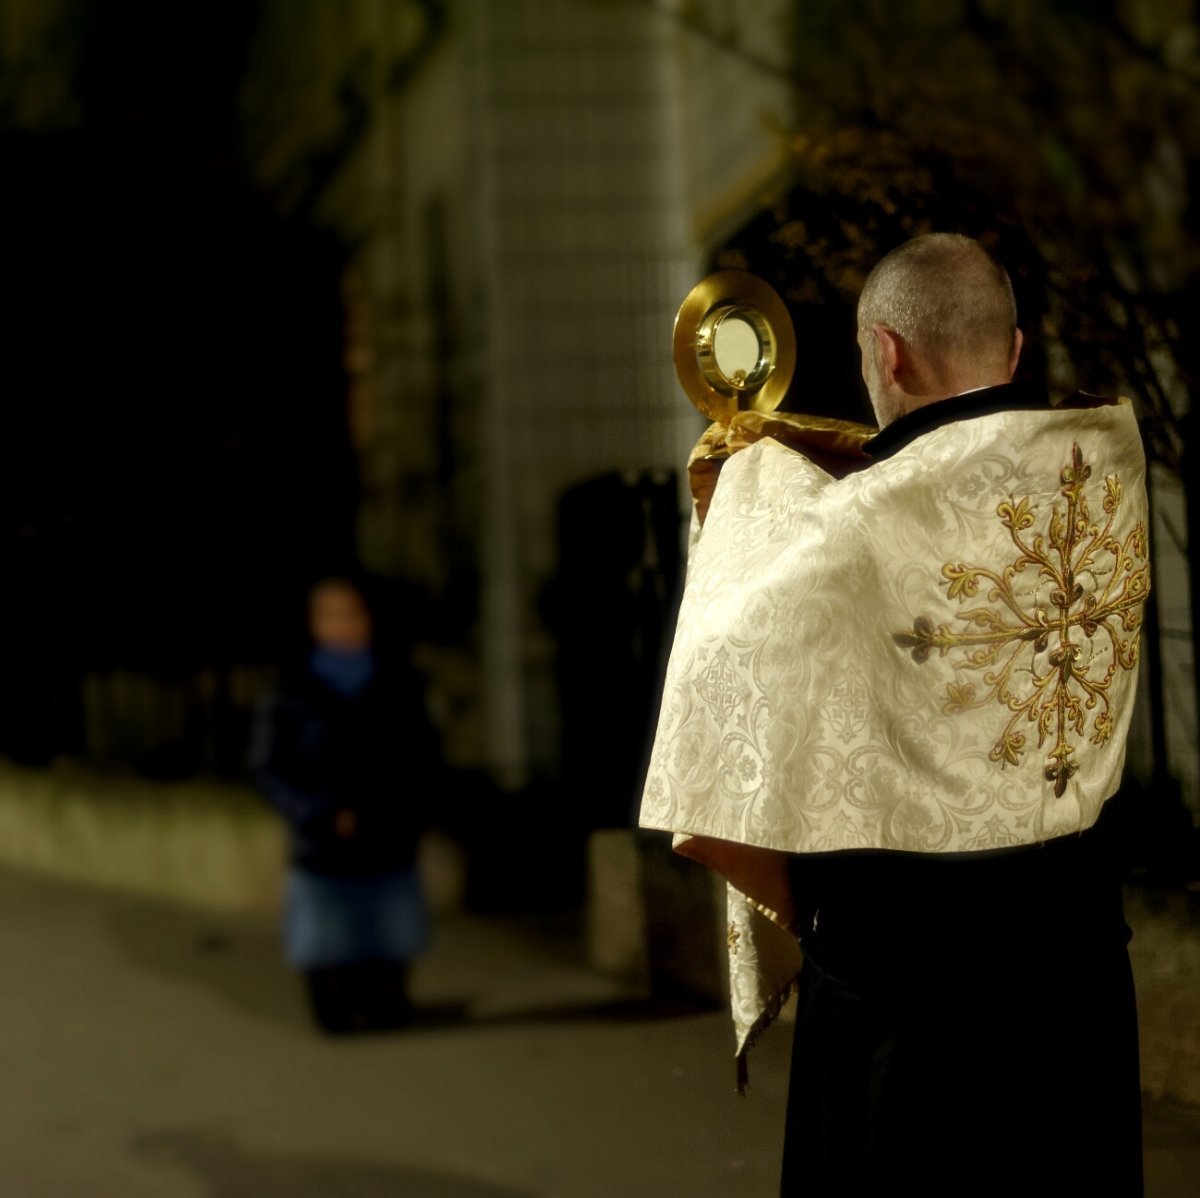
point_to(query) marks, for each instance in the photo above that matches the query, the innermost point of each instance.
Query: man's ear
(890, 351)
(1018, 341)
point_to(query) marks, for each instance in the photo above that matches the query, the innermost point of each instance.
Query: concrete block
(442, 866)
(1165, 951)
(655, 918)
(616, 915)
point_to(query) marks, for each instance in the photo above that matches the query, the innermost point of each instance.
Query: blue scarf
(345, 671)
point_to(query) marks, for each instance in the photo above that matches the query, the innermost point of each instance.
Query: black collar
(1004, 398)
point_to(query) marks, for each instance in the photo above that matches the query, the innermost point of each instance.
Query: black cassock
(965, 1026)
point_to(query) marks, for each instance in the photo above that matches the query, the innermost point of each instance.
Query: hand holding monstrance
(735, 354)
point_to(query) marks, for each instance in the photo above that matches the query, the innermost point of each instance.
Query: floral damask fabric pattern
(937, 653)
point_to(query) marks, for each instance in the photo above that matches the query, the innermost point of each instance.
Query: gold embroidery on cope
(1043, 653)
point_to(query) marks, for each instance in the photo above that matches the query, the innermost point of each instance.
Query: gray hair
(945, 295)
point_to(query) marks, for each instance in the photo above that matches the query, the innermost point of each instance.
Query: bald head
(943, 309)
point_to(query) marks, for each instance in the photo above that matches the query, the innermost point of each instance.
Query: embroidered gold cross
(1094, 584)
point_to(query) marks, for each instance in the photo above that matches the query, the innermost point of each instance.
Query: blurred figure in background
(344, 750)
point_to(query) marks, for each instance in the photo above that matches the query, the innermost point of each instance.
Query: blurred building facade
(530, 188)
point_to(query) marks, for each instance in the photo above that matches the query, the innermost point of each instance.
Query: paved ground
(147, 1051)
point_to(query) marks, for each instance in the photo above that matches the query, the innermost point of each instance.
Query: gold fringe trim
(760, 1025)
(790, 926)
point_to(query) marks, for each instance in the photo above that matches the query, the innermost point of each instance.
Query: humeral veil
(935, 653)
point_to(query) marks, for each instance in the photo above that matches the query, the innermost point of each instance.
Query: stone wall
(204, 844)
(210, 845)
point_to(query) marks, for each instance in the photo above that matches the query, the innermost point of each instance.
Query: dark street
(150, 1050)
(154, 1051)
